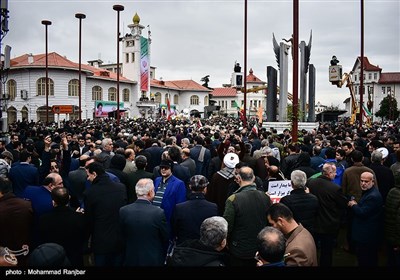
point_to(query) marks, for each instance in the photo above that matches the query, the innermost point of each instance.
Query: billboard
(102, 108)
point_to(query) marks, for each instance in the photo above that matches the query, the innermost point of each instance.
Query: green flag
(235, 104)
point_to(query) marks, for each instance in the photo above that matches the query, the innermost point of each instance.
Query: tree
(388, 108)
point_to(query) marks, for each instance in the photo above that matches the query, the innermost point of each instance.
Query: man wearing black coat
(102, 203)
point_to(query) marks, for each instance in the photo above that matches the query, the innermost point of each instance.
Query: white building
(377, 85)
(25, 90)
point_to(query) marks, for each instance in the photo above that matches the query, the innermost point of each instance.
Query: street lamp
(46, 23)
(118, 8)
(80, 17)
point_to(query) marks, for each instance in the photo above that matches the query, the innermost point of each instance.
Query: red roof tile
(367, 66)
(57, 61)
(224, 92)
(389, 78)
(179, 85)
(251, 78)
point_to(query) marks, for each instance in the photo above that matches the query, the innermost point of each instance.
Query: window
(127, 57)
(375, 76)
(12, 89)
(73, 88)
(41, 87)
(133, 57)
(176, 99)
(355, 90)
(370, 76)
(157, 97)
(194, 100)
(206, 100)
(125, 95)
(233, 105)
(112, 94)
(383, 90)
(389, 90)
(355, 78)
(97, 93)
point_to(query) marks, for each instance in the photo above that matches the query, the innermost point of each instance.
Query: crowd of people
(195, 193)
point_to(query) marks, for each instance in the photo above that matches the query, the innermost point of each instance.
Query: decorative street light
(46, 23)
(80, 17)
(118, 8)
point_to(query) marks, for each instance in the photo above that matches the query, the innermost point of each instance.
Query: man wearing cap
(169, 189)
(189, 215)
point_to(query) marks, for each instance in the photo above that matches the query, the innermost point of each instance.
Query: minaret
(131, 56)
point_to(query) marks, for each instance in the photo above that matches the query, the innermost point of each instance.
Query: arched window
(12, 89)
(157, 97)
(73, 88)
(97, 93)
(41, 87)
(125, 95)
(206, 100)
(112, 94)
(176, 99)
(194, 100)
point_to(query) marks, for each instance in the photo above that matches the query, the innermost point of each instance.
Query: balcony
(145, 102)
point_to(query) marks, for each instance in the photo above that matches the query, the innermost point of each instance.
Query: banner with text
(279, 189)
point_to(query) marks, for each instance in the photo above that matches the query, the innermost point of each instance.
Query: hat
(167, 163)
(230, 160)
(49, 255)
(383, 151)
(198, 182)
(55, 146)
(7, 154)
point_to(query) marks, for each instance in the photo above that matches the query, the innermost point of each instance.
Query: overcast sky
(191, 39)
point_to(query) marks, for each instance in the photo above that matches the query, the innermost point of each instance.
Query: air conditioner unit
(24, 94)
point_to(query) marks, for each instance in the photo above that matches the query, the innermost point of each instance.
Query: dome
(136, 19)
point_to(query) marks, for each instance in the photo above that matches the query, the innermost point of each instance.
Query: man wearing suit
(102, 203)
(23, 174)
(144, 228)
(188, 162)
(201, 156)
(155, 152)
(71, 233)
(77, 178)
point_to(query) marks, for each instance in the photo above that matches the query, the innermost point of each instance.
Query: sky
(192, 39)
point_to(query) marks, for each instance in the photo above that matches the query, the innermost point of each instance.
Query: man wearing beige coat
(300, 246)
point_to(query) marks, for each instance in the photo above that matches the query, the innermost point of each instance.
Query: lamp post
(118, 8)
(46, 23)
(80, 17)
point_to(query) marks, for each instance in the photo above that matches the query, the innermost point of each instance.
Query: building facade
(25, 89)
(377, 85)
